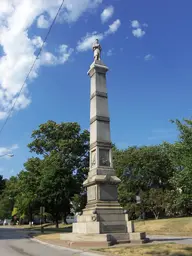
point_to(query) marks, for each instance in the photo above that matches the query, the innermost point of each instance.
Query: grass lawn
(172, 227)
(150, 250)
(49, 236)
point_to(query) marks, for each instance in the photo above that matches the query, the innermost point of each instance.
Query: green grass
(174, 226)
(150, 250)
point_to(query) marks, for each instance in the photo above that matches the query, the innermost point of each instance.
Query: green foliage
(79, 202)
(58, 176)
(8, 197)
(182, 179)
(161, 175)
(144, 169)
(5, 208)
(14, 212)
(28, 183)
(2, 184)
(154, 201)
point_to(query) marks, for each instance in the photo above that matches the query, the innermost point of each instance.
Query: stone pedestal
(103, 217)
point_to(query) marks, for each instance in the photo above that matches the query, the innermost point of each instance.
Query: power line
(30, 70)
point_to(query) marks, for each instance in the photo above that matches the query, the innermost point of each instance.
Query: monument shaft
(102, 182)
(103, 220)
(103, 213)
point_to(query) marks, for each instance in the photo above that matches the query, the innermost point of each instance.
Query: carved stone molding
(101, 144)
(100, 118)
(99, 94)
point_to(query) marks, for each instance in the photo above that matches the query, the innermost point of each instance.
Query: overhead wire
(31, 68)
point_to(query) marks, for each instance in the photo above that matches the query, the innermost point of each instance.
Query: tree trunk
(156, 215)
(65, 218)
(56, 220)
(30, 215)
(57, 223)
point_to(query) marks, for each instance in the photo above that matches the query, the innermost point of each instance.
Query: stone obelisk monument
(103, 219)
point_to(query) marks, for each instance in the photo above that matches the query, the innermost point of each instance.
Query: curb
(58, 247)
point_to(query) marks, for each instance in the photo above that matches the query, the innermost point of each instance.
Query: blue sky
(146, 45)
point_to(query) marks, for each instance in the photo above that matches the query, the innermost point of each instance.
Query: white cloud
(48, 58)
(138, 32)
(114, 27)
(148, 57)
(75, 8)
(37, 41)
(3, 114)
(65, 52)
(86, 42)
(19, 48)
(137, 28)
(135, 24)
(110, 52)
(145, 25)
(8, 150)
(43, 22)
(107, 14)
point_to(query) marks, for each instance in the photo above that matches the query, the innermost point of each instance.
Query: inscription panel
(104, 157)
(91, 193)
(93, 158)
(108, 192)
(113, 228)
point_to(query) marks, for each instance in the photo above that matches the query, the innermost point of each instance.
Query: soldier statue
(97, 50)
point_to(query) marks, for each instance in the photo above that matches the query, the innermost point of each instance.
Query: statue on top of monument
(97, 50)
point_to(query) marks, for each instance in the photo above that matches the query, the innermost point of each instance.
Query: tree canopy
(155, 180)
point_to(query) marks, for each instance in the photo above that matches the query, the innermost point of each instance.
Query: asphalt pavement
(15, 242)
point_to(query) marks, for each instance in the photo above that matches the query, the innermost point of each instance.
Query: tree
(57, 186)
(2, 184)
(154, 201)
(5, 208)
(8, 197)
(141, 169)
(182, 178)
(64, 149)
(27, 200)
(79, 202)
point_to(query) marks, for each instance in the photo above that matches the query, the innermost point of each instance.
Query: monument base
(102, 224)
(94, 240)
(100, 227)
(101, 240)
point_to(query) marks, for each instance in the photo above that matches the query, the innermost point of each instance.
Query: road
(14, 242)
